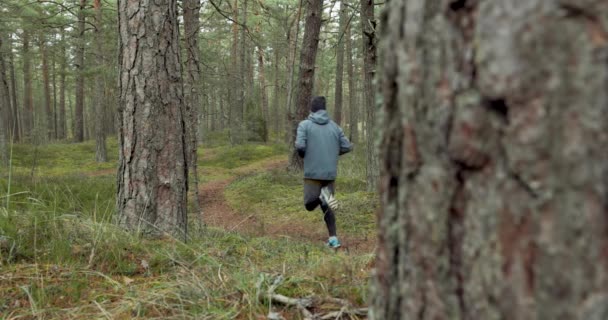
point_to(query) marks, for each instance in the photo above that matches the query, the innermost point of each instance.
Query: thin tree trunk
(101, 153)
(153, 174)
(214, 120)
(28, 103)
(291, 69)
(242, 76)
(277, 91)
(368, 26)
(222, 120)
(110, 99)
(79, 64)
(5, 106)
(352, 105)
(310, 44)
(54, 84)
(235, 100)
(340, 64)
(47, 88)
(191, 93)
(263, 96)
(71, 109)
(16, 125)
(62, 125)
(251, 55)
(494, 158)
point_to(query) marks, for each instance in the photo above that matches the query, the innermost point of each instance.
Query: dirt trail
(218, 213)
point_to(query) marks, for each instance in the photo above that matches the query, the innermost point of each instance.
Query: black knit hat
(317, 103)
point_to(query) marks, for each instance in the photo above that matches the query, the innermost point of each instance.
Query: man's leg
(328, 214)
(330, 222)
(312, 191)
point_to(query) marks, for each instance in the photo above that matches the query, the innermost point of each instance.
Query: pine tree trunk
(236, 78)
(47, 89)
(494, 158)
(28, 100)
(306, 77)
(277, 91)
(16, 124)
(249, 80)
(153, 174)
(241, 128)
(263, 95)
(352, 105)
(221, 114)
(62, 126)
(340, 64)
(79, 64)
(368, 25)
(5, 106)
(101, 153)
(191, 92)
(54, 84)
(290, 61)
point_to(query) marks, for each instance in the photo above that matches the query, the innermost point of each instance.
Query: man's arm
(345, 145)
(301, 140)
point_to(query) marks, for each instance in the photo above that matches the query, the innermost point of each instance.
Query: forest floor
(62, 258)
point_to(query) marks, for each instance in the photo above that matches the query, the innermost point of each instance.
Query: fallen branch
(303, 304)
(362, 312)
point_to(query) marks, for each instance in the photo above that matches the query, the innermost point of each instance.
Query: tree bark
(191, 92)
(101, 153)
(28, 100)
(62, 125)
(241, 127)
(153, 174)
(5, 107)
(79, 64)
(290, 61)
(47, 88)
(54, 84)
(494, 170)
(263, 95)
(236, 100)
(277, 91)
(310, 44)
(352, 105)
(15, 125)
(368, 26)
(340, 64)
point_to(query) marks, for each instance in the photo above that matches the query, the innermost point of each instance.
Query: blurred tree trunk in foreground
(494, 163)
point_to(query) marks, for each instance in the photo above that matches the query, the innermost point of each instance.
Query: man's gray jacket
(320, 141)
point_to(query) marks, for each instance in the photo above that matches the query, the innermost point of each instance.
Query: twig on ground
(241, 222)
(303, 304)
